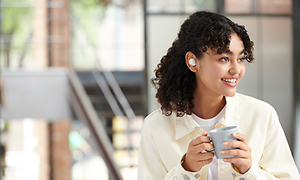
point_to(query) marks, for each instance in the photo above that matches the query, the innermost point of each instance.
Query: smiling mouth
(229, 80)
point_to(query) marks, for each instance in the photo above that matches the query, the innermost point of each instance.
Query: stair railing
(120, 95)
(84, 110)
(103, 85)
(107, 93)
(113, 83)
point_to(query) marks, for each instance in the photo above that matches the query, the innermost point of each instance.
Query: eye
(224, 59)
(242, 59)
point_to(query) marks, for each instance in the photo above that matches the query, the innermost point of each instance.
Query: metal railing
(103, 85)
(84, 110)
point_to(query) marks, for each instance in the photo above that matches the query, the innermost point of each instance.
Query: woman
(196, 86)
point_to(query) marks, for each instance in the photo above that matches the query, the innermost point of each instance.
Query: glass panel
(158, 42)
(277, 66)
(112, 33)
(87, 163)
(258, 6)
(126, 138)
(174, 6)
(275, 6)
(17, 39)
(107, 35)
(199, 5)
(25, 144)
(238, 6)
(179, 6)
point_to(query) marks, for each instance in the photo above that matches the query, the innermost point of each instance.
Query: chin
(231, 94)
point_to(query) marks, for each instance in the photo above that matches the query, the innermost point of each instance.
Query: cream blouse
(165, 140)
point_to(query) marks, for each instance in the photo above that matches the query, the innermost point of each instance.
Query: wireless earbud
(192, 62)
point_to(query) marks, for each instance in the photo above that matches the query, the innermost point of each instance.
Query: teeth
(229, 80)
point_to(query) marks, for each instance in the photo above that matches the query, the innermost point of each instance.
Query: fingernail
(225, 160)
(222, 152)
(225, 143)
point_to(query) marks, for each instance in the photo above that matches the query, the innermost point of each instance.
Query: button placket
(197, 176)
(234, 175)
(186, 177)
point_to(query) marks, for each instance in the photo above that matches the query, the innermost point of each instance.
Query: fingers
(238, 161)
(201, 143)
(201, 139)
(207, 156)
(194, 163)
(242, 155)
(235, 152)
(204, 133)
(237, 144)
(196, 156)
(240, 137)
(204, 147)
(242, 149)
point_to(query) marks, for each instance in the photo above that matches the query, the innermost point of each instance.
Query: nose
(234, 68)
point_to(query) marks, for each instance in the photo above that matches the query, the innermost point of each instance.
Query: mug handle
(213, 150)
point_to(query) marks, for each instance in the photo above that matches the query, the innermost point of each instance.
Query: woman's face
(219, 74)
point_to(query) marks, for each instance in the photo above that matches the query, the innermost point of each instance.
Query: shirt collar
(186, 124)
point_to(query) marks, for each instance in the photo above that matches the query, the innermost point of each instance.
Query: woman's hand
(243, 159)
(196, 156)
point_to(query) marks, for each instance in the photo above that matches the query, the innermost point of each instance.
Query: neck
(208, 107)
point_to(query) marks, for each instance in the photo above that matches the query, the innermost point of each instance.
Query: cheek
(243, 71)
(212, 72)
(219, 71)
(216, 68)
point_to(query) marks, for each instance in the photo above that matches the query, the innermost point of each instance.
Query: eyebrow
(228, 52)
(242, 52)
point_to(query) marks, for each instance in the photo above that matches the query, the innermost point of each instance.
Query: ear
(189, 55)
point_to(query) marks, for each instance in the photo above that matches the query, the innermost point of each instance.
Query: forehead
(236, 43)
(236, 46)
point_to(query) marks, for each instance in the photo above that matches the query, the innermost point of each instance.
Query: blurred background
(74, 84)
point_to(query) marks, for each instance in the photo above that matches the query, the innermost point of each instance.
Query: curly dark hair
(174, 81)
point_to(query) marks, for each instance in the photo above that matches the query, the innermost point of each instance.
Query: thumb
(204, 133)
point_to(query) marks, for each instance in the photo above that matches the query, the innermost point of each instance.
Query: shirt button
(242, 179)
(197, 176)
(186, 177)
(234, 175)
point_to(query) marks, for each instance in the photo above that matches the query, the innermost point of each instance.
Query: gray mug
(221, 135)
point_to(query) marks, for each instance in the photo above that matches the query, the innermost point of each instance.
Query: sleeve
(276, 161)
(151, 166)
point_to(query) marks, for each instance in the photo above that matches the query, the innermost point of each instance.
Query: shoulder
(253, 113)
(249, 102)
(157, 120)
(157, 113)
(154, 117)
(253, 108)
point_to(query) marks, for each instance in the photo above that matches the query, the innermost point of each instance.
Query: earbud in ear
(192, 62)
